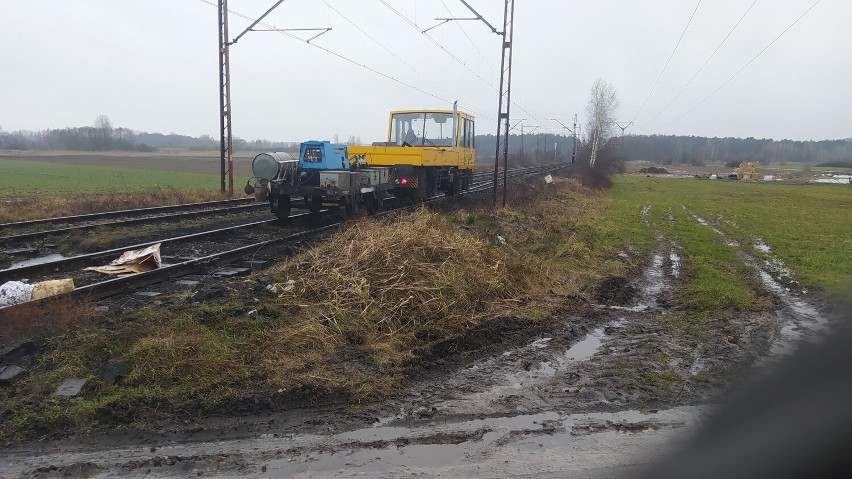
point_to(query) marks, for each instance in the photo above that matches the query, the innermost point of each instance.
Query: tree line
(697, 150)
(530, 148)
(102, 136)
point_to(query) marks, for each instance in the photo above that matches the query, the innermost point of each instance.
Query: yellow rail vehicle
(432, 150)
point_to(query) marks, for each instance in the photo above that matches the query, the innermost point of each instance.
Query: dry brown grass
(379, 283)
(43, 318)
(50, 206)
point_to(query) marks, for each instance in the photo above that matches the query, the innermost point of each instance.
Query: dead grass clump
(43, 318)
(29, 208)
(379, 282)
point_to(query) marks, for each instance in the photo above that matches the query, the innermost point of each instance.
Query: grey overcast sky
(152, 65)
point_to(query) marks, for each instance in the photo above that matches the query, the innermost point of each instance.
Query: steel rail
(128, 283)
(113, 214)
(25, 271)
(34, 235)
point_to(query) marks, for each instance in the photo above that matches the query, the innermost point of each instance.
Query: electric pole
(623, 126)
(574, 151)
(226, 145)
(523, 129)
(225, 139)
(505, 97)
(573, 135)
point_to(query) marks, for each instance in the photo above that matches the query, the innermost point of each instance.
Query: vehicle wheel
(455, 184)
(346, 209)
(316, 204)
(467, 179)
(280, 206)
(374, 203)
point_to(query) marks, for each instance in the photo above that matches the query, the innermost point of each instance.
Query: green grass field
(27, 177)
(808, 227)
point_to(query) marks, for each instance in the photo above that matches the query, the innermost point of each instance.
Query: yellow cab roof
(432, 111)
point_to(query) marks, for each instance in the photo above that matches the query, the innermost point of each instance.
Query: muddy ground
(603, 392)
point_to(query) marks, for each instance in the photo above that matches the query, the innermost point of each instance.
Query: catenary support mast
(505, 99)
(225, 138)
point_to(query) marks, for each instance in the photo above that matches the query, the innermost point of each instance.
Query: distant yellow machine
(746, 171)
(431, 150)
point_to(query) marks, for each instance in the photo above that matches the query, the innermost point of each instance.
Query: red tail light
(403, 181)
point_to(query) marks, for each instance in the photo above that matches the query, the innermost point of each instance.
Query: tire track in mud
(796, 316)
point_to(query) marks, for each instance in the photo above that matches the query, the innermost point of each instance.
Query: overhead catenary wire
(344, 58)
(400, 59)
(472, 43)
(454, 57)
(744, 66)
(677, 95)
(667, 61)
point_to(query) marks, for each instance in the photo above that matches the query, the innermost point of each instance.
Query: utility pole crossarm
(479, 17)
(259, 19)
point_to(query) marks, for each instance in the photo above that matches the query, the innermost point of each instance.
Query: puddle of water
(652, 284)
(371, 434)
(587, 347)
(699, 364)
(805, 318)
(382, 421)
(777, 266)
(39, 260)
(837, 179)
(704, 222)
(762, 247)
(367, 461)
(675, 259)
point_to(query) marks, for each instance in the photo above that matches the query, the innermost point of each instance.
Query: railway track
(139, 216)
(171, 213)
(129, 283)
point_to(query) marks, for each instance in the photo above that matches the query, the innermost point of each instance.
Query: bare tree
(103, 133)
(600, 112)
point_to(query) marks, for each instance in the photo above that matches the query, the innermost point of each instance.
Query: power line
(453, 56)
(341, 56)
(402, 60)
(667, 61)
(744, 66)
(472, 43)
(702, 66)
(436, 42)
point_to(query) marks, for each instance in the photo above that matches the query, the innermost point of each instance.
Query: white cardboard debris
(134, 261)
